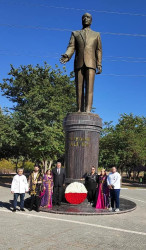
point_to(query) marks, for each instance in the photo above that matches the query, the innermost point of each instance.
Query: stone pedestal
(82, 143)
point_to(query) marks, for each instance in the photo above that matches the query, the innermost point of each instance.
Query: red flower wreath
(75, 193)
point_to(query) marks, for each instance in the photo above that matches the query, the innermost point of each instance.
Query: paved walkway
(31, 230)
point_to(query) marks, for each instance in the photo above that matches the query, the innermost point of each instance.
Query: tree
(107, 153)
(42, 97)
(124, 144)
(131, 135)
(8, 135)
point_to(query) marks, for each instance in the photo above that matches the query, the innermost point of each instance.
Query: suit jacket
(87, 47)
(58, 179)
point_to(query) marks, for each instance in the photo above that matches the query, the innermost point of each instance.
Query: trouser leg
(55, 195)
(112, 195)
(93, 195)
(96, 197)
(89, 196)
(32, 201)
(60, 191)
(117, 195)
(79, 80)
(15, 200)
(89, 84)
(37, 201)
(22, 200)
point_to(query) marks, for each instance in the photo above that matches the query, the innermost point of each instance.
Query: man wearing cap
(59, 182)
(86, 44)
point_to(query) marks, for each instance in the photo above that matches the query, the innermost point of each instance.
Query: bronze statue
(86, 44)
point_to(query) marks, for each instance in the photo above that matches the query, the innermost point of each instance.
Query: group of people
(101, 187)
(41, 187)
(45, 188)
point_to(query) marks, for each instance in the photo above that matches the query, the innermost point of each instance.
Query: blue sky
(26, 38)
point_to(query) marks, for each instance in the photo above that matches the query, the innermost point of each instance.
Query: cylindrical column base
(82, 143)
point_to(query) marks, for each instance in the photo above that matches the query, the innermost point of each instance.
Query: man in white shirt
(19, 186)
(114, 184)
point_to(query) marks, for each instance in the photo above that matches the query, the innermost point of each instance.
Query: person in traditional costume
(35, 185)
(102, 192)
(91, 183)
(46, 195)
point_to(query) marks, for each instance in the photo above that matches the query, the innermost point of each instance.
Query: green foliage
(6, 166)
(28, 166)
(8, 135)
(9, 166)
(124, 145)
(42, 97)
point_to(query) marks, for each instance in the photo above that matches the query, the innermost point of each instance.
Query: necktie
(85, 33)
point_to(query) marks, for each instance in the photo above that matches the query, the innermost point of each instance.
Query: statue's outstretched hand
(99, 68)
(64, 58)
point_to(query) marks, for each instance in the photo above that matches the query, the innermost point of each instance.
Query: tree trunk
(16, 165)
(23, 163)
(45, 165)
(121, 172)
(50, 164)
(138, 172)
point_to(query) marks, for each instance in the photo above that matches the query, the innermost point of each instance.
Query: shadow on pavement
(7, 185)
(8, 205)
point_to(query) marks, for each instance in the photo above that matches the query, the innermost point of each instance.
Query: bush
(6, 166)
(28, 166)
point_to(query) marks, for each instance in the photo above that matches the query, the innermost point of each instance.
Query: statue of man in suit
(86, 44)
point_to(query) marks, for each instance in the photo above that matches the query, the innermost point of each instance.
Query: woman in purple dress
(46, 199)
(103, 192)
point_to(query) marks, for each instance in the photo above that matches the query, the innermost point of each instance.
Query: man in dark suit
(86, 44)
(59, 182)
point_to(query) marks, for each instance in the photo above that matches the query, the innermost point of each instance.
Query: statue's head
(86, 20)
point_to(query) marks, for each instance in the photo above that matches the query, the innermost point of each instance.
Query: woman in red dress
(103, 191)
